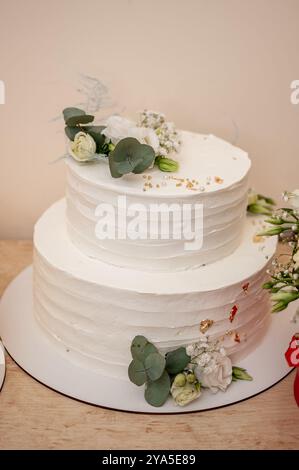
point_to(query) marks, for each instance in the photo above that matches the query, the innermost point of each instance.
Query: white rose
(294, 198)
(184, 395)
(219, 376)
(83, 148)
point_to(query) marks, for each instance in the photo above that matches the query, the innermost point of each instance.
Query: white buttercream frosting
(221, 171)
(94, 309)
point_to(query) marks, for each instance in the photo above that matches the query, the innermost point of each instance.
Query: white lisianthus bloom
(145, 136)
(118, 128)
(83, 148)
(216, 375)
(185, 394)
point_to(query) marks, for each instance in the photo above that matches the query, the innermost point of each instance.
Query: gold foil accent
(257, 239)
(237, 338)
(218, 180)
(205, 325)
(229, 332)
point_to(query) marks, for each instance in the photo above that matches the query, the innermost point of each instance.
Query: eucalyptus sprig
(77, 120)
(156, 371)
(130, 156)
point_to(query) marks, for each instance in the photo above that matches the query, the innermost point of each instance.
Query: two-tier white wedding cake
(93, 296)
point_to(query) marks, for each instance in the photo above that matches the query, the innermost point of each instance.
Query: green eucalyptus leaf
(113, 168)
(147, 155)
(136, 372)
(156, 393)
(124, 167)
(137, 347)
(129, 156)
(126, 149)
(75, 116)
(71, 132)
(177, 361)
(148, 349)
(154, 365)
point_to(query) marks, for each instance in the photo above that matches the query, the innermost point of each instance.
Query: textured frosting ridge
(222, 172)
(94, 310)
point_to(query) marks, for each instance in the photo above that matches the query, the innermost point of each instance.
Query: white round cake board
(2, 365)
(49, 364)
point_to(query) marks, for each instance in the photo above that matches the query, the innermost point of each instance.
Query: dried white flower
(166, 132)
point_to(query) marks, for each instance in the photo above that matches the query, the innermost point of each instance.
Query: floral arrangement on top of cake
(128, 146)
(181, 373)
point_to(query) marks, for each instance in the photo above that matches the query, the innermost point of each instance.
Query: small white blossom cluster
(168, 136)
(201, 354)
(292, 197)
(212, 366)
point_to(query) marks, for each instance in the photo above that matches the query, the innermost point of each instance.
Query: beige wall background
(210, 65)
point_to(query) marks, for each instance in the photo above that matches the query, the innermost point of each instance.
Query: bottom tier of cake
(93, 310)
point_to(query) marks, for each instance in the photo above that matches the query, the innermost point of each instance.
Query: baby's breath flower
(168, 136)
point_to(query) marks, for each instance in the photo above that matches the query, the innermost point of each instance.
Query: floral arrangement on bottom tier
(181, 373)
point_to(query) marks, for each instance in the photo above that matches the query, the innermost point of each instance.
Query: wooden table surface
(34, 417)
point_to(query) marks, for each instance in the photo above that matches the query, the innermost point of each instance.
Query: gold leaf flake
(237, 338)
(257, 239)
(218, 179)
(205, 325)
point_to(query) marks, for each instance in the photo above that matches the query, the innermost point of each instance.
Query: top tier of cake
(212, 172)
